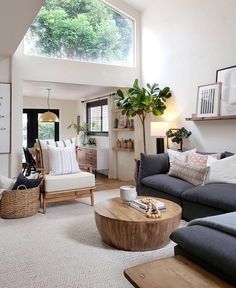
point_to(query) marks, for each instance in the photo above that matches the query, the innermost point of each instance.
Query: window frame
(97, 103)
(32, 124)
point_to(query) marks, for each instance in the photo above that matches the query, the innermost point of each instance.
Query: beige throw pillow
(178, 154)
(187, 172)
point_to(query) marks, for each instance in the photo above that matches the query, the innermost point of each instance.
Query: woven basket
(19, 203)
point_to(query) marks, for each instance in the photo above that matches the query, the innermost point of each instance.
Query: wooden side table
(172, 272)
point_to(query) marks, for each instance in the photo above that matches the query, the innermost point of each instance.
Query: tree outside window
(86, 30)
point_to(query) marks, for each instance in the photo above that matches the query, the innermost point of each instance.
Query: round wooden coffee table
(124, 227)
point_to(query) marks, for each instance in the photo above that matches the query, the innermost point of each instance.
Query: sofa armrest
(153, 164)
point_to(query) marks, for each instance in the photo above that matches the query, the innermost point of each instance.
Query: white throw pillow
(222, 171)
(182, 156)
(62, 160)
(6, 183)
(43, 144)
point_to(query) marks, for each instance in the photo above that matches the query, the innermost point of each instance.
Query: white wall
(67, 110)
(184, 42)
(5, 76)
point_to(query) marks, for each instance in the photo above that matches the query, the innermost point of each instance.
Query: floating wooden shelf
(230, 117)
(123, 149)
(123, 129)
(117, 110)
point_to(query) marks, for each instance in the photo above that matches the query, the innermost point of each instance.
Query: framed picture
(227, 76)
(122, 123)
(208, 100)
(5, 118)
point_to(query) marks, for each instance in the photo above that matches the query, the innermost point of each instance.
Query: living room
(180, 44)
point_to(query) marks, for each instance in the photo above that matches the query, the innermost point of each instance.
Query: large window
(86, 30)
(33, 129)
(97, 117)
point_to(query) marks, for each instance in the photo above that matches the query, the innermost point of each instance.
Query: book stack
(138, 205)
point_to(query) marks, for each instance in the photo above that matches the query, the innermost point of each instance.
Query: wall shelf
(116, 110)
(123, 149)
(123, 129)
(230, 117)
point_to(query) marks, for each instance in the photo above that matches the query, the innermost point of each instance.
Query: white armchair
(57, 188)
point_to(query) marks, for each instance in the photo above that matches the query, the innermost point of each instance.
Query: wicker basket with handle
(20, 203)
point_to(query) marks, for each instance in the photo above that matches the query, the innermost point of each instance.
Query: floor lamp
(158, 130)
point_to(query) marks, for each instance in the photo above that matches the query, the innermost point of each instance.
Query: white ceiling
(64, 91)
(139, 4)
(15, 19)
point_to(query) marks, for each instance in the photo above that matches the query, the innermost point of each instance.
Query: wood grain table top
(172, 272)
(114, 208)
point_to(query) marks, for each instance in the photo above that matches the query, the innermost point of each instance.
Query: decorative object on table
(227, 76)
(208, 100)
(128, 193)
(142, 101)
(152, 210)
(48, 116)
(177, 135)
(5, 118)
(81, 132)
(158, 129)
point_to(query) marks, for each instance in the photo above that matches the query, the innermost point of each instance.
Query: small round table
(124, 227)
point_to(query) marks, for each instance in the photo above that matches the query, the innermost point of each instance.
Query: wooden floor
(103, 183)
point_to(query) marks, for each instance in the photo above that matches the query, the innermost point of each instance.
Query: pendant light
(48, 116)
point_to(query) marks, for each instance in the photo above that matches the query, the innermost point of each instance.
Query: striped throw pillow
(43, 144)
(62, 160)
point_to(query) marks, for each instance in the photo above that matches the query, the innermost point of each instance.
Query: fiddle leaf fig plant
(141, 101)
(178, 135)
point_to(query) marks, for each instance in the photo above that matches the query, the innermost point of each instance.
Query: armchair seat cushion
(69, 181)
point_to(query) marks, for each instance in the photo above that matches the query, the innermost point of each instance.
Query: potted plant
(178, 135)
(81, 131)
(142, 101)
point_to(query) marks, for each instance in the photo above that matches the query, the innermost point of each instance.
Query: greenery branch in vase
(141, 101)
(79, 128)
(178, 135)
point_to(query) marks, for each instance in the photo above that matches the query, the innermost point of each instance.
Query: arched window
(85, 30)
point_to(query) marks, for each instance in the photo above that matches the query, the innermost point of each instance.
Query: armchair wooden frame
(63, 195)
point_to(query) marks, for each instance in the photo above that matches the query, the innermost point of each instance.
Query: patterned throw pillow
(62, 160)
(200, 160)
(187, 172)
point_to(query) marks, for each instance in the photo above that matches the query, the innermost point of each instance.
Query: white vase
(128, 193)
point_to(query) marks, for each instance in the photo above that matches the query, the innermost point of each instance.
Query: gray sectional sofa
(208, 241)
(196, 201)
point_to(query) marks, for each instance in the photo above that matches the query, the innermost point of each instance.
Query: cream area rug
(63, 249)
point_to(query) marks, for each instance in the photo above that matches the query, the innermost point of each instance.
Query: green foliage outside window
(87, 30)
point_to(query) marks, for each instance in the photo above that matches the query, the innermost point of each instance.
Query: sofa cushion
(220, 195)
(207, 245)
(223, 171)
(192, 174)
(166, 183)
(69, 181)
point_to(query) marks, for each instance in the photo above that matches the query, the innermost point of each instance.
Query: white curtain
(112, 159)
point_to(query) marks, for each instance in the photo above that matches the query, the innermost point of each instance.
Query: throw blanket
(224, 222)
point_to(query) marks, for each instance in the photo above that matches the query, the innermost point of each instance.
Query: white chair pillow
(62, 160)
